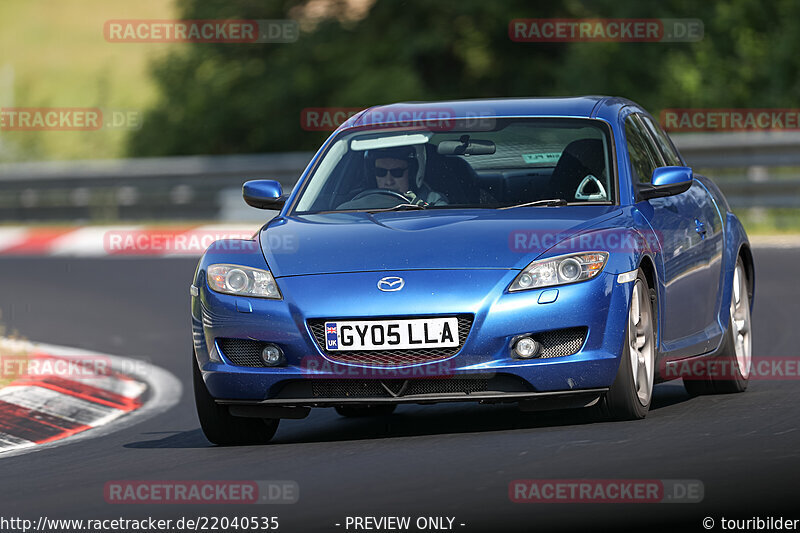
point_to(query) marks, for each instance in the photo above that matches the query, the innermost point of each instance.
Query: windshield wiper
(552, 202)
(398, 207)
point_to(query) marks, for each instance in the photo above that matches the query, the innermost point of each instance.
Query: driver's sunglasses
(396, 172)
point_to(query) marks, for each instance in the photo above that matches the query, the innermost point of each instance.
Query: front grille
(242, 352)
(560, 342)
(346, 388)
(390, 357)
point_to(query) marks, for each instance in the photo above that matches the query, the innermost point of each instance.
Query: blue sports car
(549, 252)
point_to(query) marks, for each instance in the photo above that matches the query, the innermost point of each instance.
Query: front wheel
(632, 391)
(222, 428)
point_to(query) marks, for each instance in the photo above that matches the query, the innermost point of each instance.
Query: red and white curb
(67, 396)
(119, 241)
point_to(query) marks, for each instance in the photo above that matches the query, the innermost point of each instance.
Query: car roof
(604, 107)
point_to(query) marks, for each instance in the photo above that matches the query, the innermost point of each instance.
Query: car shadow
(415, 420)
(325, 425)
(173, 439)
(668, 394)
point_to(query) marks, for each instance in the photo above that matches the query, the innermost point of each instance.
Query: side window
(664, 143)
(643, 160)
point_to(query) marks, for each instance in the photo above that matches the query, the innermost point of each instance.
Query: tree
(242, 98)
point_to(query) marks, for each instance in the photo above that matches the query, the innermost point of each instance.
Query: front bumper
(599, 305)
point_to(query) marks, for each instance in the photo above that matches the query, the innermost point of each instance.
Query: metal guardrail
(732, 150)
(755, 156)
(192, 187)
(202, 187)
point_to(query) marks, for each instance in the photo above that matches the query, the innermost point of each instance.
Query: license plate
(391, 334)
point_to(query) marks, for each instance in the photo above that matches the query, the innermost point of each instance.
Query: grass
(55, 55)
(778, 221)
(13, 355)
(12, 361)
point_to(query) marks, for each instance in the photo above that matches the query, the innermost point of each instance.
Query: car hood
(413, 240)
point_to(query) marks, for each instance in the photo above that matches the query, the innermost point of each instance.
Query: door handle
(700, 228)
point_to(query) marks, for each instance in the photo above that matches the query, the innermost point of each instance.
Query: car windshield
(465, 163)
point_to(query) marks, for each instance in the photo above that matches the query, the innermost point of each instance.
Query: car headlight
(243, 281)
(559, 271)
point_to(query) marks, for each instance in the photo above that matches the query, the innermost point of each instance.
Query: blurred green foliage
(242, 98)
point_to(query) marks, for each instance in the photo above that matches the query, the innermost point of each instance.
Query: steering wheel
(387, 192)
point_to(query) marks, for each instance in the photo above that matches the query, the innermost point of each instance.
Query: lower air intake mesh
(242, 352)
(560, 342)
(347, 388)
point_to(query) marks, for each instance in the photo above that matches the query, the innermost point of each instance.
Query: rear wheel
(222, 428)
(352, 411)
(630, 396)
(731, 368)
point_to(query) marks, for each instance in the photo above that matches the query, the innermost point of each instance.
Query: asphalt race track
(437, 461)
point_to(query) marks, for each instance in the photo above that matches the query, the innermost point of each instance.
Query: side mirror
(666, 181)
(263, 194)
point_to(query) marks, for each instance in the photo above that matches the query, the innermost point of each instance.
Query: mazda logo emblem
(391, 284)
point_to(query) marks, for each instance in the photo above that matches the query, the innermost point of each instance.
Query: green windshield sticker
(544, 157)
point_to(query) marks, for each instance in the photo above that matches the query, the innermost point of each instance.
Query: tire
(355, 411)
(732, 366)
(631, 393)
(222, 428)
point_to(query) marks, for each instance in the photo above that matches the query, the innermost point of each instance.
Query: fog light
(272, 355)
(526, 348)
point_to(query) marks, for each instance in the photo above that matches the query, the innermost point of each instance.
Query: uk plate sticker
(331, 338)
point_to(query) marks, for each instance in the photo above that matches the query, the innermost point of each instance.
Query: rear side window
(643, 159)
(664, 143)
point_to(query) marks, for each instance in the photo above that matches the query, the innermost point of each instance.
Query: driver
(393, 169)
(392, 173)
